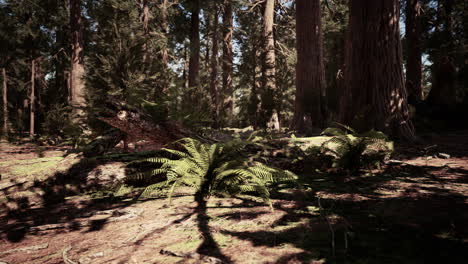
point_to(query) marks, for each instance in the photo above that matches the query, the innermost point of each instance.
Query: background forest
(231, 63)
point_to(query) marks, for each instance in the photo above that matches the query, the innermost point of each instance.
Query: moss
(31, 167)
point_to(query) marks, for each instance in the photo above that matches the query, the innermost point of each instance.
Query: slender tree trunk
(164, 50)
(269, 102)
(214, 65)
(375, 95)
(228, 102)
(145, 14)
(194, 63)
(186, 68)
(413, 38)
(32, 99)
(310, 75)
(5, 103)
(77, 88)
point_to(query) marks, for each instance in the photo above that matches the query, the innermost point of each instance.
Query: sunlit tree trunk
(375, 95)
(5, 103)
(77, 87)
(269, 102)
(228, 103)
(164, 51)
(310, 76)
(413, 38)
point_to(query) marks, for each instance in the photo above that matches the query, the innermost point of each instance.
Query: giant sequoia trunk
(269, 102)
(228, 103)
(194, 63)
(5, 103)
(310, 76)
(77, 88)
(413, 38)
(375, 95)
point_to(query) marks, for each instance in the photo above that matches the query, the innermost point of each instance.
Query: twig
(66, 260)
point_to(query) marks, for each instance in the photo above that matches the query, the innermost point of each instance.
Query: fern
(352, 150)
(213, 169)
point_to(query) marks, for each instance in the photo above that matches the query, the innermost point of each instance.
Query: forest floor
(412, 210)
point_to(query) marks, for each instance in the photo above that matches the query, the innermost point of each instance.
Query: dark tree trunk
(214, 66)
(413, 61)
(228, 103)
(77, 89)
(32, 99)
(375, 95)
(194, 63)
(269, 101)
(443, 91)
(309, 107)
(5, 103)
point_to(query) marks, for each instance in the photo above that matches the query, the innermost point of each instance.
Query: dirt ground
(413, 210)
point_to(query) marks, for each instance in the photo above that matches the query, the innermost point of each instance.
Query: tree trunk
(214, 66)
(32, 99)
(310, 74)
(145, 14)
(194, 63)
(413, 60)
(375, 95)
(269, 102)
(443, 91)
(5, 103)
(228, 103)
(164, 50)
(77, 88)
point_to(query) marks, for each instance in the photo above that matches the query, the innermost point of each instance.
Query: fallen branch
(67, 260)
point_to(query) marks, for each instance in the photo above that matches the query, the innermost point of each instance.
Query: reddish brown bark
(77, 88)
(269, 102)
(194, 63)
(413, 40)
(375, 95)
(5, 102)
(32, 100)
(310, 75)
(228, 104)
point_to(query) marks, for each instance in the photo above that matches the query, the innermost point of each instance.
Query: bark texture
(310, 75)
(194, 63)
(214, 66)
(32, 99)
(375, 96)
(443, 91)
(5, 102)
(413, 40)
(269, 102)
(228, 104)
(77, 87)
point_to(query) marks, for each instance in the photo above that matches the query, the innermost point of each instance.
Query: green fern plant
(213, 169)
(352, 151)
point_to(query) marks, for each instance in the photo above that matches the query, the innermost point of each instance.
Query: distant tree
(5, 102)
(269, 105)
(309, 108)
(77, 71)
(375, 95)
(227, 90)
(214, 66)
(194, 63)
(414, 51)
